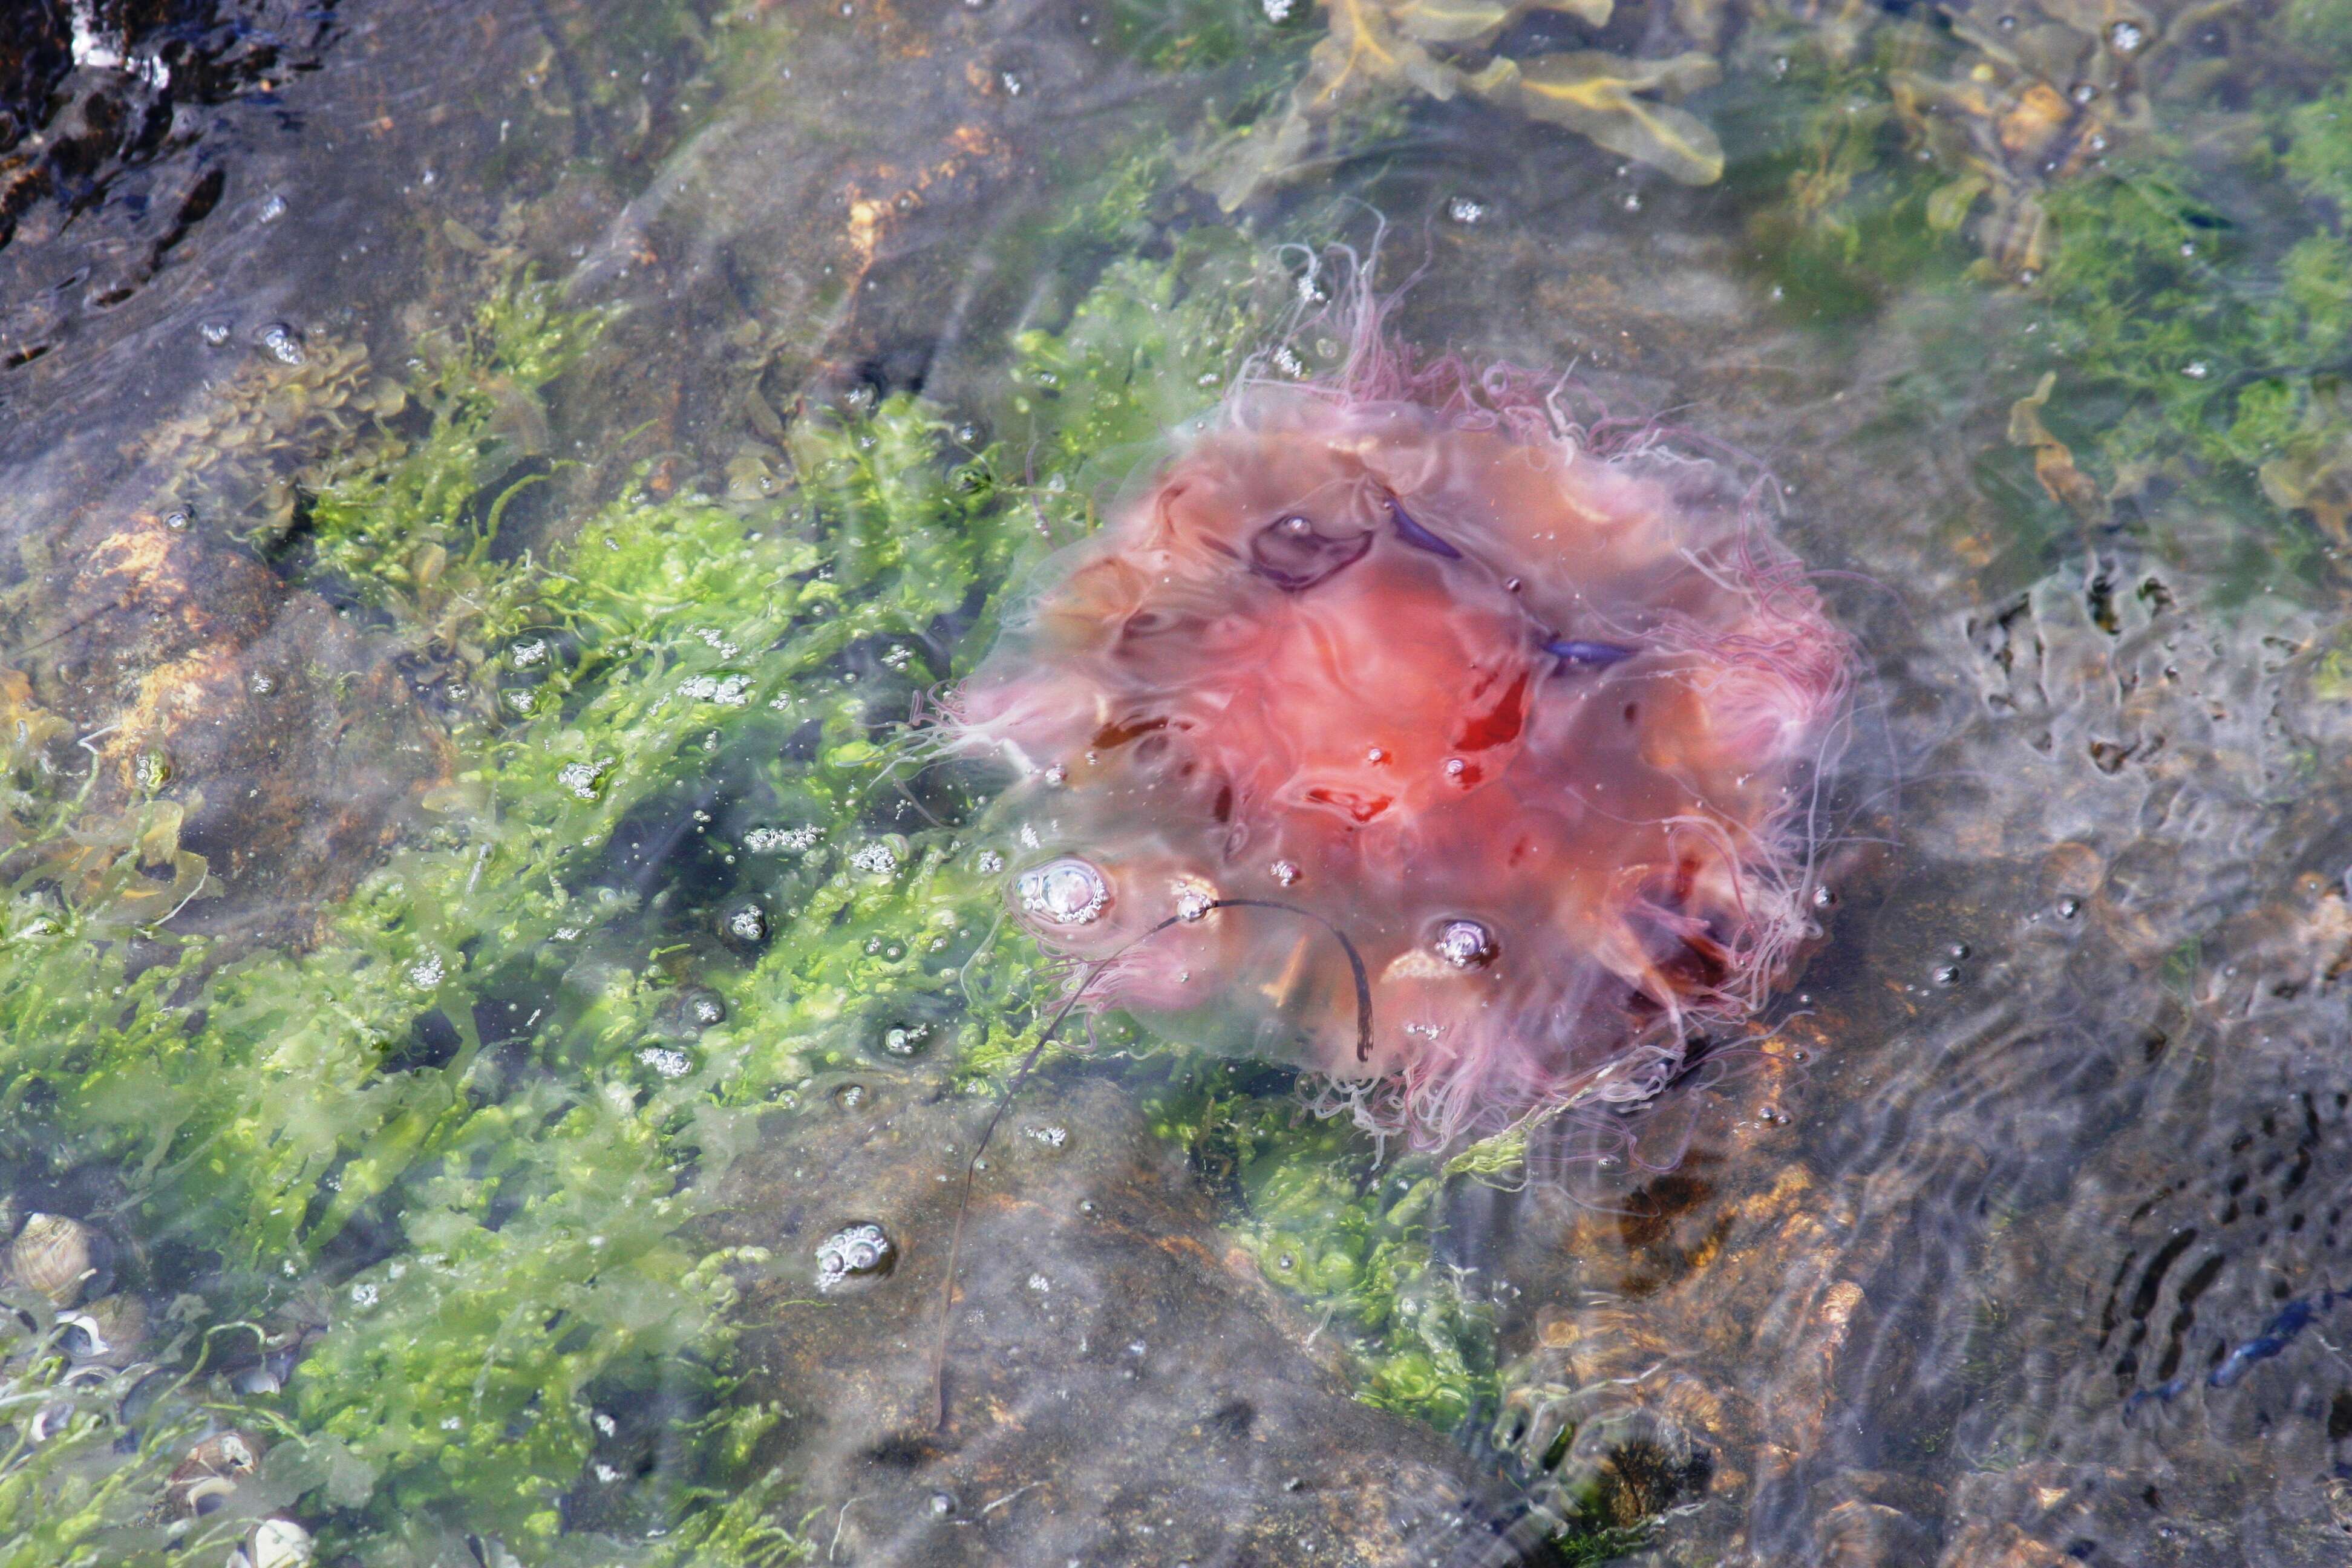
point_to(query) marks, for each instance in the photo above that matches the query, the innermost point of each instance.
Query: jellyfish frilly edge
(1537, 712)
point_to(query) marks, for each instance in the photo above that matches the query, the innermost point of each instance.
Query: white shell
(277, 1544)
(109, 1330)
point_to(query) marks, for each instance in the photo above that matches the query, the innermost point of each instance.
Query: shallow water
(506, 1001)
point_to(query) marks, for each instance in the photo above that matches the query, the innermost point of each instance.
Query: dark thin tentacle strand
(1355, 962)
(1021, 1076)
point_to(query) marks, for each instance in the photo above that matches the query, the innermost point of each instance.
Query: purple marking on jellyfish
(1420, 538)
(1599, 655)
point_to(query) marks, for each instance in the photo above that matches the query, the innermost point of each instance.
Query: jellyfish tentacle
(1420, 538)
(1588, 655)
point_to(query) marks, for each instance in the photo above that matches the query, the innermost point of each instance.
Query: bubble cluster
(858, 1253)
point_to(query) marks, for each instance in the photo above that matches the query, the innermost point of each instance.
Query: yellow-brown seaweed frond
(1379, 53)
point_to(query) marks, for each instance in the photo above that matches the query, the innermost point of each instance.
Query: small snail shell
(61, 1258)
(275, 1544)
(58, 1415)
(261, 1377)
(108, 1332)
(204, 1480)
(50, 1420)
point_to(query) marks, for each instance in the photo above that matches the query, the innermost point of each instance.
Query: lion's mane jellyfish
(1536, 713)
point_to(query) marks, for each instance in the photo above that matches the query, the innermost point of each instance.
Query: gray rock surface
(1120, 1388)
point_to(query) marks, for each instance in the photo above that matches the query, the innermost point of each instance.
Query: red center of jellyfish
(1365, 686)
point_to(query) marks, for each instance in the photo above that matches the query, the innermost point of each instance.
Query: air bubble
(746, 923)
(1465, 944)
(1194, 901)
(686, 1012)
(1067, 892)
(585, 780)
(1285, 871)
(666, 1061)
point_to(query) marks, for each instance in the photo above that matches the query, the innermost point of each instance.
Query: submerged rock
(291, 740)
(1121, 1385)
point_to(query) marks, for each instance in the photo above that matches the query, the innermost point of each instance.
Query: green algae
(2194, 296)
(2196, 354)
(536, 1179)
(1843, 215)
